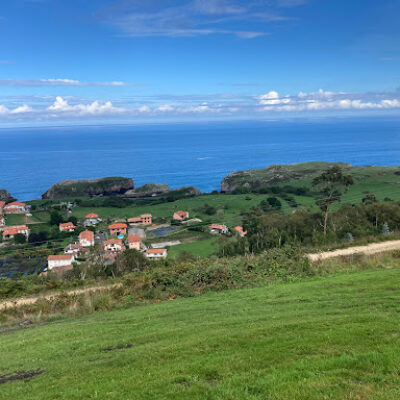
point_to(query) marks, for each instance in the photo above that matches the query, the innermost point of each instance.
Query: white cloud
(60, 82)
(272, 98)
(95, 108)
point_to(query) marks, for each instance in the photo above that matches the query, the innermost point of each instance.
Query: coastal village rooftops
(217, 227)
(16, 204)
(135, 238)
(2, 204)
(146, 216)
(113, 241)
(14, 230)
(156, 251)
(68, 226)
(118, 226)
(87, 235)
(135, 220)
(92, 216)
(62, 257)
(240, 230)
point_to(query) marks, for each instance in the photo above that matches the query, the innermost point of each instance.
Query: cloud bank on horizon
(135, 60)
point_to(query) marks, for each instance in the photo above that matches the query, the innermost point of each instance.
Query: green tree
(56, 218)
(19, 238)
(129, 261)
(332, 184)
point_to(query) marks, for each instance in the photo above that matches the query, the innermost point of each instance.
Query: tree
(19, 238)
(129, 261)
(56, 218)
(369, 198)
(332, 184)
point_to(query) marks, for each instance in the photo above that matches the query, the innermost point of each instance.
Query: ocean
(32, 159)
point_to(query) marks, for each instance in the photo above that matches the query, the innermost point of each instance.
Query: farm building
(14, 208)
(67, 227)
(180, 215)
(218, 229)
(118, 229)
(156, 254)
(86, 239)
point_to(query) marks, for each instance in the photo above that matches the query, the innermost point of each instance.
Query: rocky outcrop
(90, 187)
(275, 174)
(148, 190)
(6, 196)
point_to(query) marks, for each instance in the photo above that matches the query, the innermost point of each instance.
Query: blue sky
(157, 60)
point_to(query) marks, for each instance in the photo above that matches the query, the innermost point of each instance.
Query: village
(122, 234)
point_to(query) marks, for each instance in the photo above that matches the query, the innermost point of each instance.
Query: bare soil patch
(20, 375)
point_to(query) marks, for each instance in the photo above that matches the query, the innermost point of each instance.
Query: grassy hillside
(334, 337)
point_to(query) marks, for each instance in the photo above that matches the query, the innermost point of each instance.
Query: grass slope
(333, 337)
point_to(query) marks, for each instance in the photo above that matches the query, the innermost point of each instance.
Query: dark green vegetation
(89, 187)
(331, 337)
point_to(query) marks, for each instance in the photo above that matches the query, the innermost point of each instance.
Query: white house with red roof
(73, 248)
(86, 239)
(91, 219)
(135, 242)
(10, 231)
(113, 246)
(67, 227)
(217, 229)
(118, 229)
(63, 260)
(14, 208)
(180, 215)
(156, 254)
(240, 231)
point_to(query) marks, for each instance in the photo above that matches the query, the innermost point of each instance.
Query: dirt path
(372, 248)
(30, 300)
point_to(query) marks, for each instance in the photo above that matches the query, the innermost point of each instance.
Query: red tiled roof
(63, 257)
(113, 241)
(13, 230)
(9, 232)
(92, 216)
(2, 204)
(118, 226)
(146, 216)
(134, 238)
(240, 230)
(87, 235)
(67, 225)
(216, 226)
(136, 219)
(73, 246)
(15, 204)
(156, 251)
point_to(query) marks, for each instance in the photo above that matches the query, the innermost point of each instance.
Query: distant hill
(302, 174)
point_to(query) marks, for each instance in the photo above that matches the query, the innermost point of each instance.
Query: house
(91, 219)
(14, 208)
(144, 219)
(64, 260)
(156, 254)
(135, 242)
(86, 239)
(10, 231)
(2, 204)
(113, 246)
(67, 227)
(180, 216)
(218, 229)
(73, 248)
(240, 231)
(2, 221)
(118, 229)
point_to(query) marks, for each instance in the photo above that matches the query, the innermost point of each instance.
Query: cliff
(6, 196)
(148, 190)
(89, 187)
(274, 175)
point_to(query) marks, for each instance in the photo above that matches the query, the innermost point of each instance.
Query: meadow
(329, 337)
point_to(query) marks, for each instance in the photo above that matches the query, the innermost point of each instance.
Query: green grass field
(202, 248)
(332, 337)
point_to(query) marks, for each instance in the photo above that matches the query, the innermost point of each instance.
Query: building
(144, 219)
(113, 246)
(135, 242)
(2, 204)
(10, 231)
(86, 239)
(67, 227)
(15, 208)
(64, 260)
(180, 216)
(156, 254)
(2, 221)
(91, 219)
(240, 231)
(118, 229)
(218, 229)
(73, 248)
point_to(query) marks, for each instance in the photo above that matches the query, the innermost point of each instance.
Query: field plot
(332, 337)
